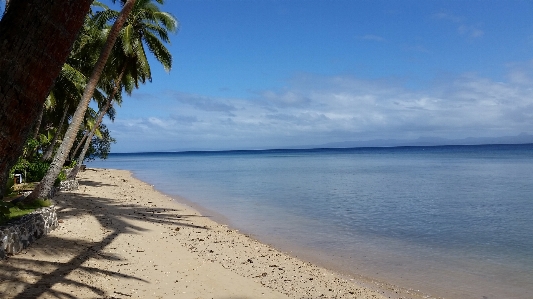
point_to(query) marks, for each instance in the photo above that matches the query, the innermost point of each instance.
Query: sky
(262, 74)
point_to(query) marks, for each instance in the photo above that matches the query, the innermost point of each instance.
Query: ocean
(449, 221)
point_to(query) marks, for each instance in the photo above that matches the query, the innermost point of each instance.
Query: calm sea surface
(451, 221)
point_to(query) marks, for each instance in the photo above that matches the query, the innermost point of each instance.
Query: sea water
(450, 221)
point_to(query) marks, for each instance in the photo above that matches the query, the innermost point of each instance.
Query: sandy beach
(120, 238)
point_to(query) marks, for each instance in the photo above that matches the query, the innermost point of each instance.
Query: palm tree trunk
(73, 153)
(43, 189)
(74, 172)
(29, 64)
(37, 125)
(50, 150)
(6, 7)
(103, 111)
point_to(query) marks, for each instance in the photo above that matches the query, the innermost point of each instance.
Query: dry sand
(119, 238)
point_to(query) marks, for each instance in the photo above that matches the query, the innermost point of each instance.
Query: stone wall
(20, 233)
(63, 186)
(69, 185)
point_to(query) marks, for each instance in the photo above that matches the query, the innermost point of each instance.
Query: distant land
(522, 138)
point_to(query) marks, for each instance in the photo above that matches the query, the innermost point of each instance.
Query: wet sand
(120, 238)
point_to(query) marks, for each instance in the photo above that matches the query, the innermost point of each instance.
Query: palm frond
(159, 31)
(99, 5)
(111, 113)
(168, 20)
(102, 18)
(144, 66)
(160, 52)
(99, 97)
(127, 39)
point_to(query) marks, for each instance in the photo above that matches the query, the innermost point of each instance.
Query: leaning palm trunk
(82, 141)
(74, 172)
(6, 7)
(43, 189)
(50, 150)
(37, 125)
(36, 40)
(72, 175)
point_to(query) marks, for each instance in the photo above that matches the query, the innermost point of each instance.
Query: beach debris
(128, 295)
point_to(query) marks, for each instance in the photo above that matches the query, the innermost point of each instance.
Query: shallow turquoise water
(451, 221)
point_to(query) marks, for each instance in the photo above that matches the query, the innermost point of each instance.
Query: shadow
(113, 215)
(95, 184)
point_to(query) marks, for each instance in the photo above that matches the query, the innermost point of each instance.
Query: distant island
(522, 138)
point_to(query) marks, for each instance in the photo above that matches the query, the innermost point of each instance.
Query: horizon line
(295, 149)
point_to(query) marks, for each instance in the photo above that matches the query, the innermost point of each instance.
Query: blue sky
(255, 74)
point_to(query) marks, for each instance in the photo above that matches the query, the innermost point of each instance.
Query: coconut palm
(65, 93)
(43, 189)
(88, 126)
(146, 25)
(71, 82)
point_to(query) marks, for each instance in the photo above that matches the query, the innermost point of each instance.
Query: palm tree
(67, 89)
(146, 25)
(29, 64)
(88, 126)
(43, 189)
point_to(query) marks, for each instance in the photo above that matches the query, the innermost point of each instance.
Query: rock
(19, 234)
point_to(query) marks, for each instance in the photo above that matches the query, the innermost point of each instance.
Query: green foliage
(61, 177)
(100, 146)
(9, 187)
(29, 163)
(36, 171)
(21, 165)
(31, 146)
(10, 211)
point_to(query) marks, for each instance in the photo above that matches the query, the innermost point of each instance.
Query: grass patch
(19, 188)
(10, 211)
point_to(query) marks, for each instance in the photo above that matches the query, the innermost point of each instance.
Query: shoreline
(306, 255)
(121, 238)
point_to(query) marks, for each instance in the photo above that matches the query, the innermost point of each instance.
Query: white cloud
(521, 73)
(313, 110)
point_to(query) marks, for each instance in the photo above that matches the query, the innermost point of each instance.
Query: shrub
(36, 171)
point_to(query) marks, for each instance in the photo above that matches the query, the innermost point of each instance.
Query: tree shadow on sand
(22, 277)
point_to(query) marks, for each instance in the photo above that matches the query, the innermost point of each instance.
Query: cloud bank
(313, 110)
